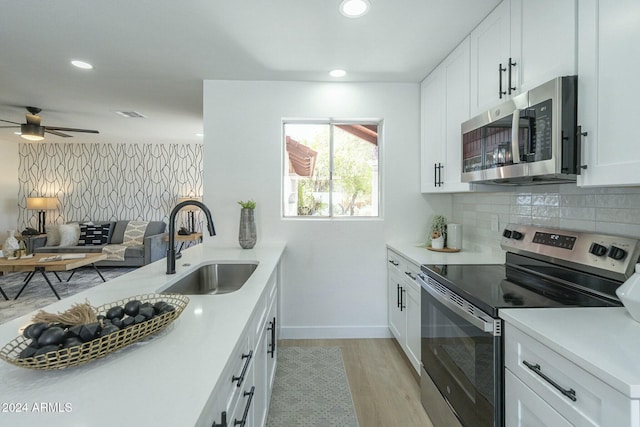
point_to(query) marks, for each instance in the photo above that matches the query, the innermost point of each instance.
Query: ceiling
(151, 56)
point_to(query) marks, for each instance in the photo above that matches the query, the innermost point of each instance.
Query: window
(331, 168)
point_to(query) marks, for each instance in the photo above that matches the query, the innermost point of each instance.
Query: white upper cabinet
(490, 48)
(543, 41)
(520, 45)
(445, 105)
(608, 88)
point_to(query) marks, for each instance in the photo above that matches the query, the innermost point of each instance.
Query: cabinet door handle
(511, 88)
(244, 369)
(501, 69)
(579, 137)
(437, 174)
(571, 393)
(398, 295)
(272, 346)
(395, 264)
(243, 421)
(223, 420)
(402, 304)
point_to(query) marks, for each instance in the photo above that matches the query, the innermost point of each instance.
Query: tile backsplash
(611, 210)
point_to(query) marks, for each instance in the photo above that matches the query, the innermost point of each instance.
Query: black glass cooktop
(495, 287)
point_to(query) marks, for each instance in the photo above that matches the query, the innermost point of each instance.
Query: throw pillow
(69, 234)
(53, 235)
(93, 235)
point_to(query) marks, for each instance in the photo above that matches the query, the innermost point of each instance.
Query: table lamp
(190, 211)
(41, 204)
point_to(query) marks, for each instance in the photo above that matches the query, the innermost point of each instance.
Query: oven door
(462, 356)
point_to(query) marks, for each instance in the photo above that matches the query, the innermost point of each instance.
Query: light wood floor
(384, 390)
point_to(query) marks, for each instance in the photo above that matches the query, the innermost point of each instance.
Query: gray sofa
(154, 245)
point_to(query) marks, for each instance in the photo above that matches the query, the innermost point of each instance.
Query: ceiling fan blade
(55, 132)
(9, 121)
(3, 127)
(33, 119)
(50, 128)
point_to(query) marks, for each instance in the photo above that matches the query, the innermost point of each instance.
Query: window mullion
(331, 169)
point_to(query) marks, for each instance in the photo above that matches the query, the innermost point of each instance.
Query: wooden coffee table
(35, 264)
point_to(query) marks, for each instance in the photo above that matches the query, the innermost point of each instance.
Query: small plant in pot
(438, 231)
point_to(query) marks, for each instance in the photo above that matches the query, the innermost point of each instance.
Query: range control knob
(506, 233)
(597, 250)
(516, 235)
(616, 253)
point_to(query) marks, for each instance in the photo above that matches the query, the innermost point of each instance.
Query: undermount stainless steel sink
(213, 279)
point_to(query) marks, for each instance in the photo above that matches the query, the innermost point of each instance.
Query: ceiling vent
(131, 114)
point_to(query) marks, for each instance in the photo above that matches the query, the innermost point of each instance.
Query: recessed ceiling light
(200, 134)
(81, 64)
(354, 8)
(337, 73)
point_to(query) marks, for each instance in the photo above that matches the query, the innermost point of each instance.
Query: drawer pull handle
(243, 421)
(408, 273)
(571, 393)
(239, 379)
(395, 264)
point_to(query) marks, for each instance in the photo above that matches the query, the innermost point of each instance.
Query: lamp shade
(184, 199)
(42, 203)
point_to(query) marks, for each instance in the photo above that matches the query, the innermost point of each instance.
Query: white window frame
(332, 121)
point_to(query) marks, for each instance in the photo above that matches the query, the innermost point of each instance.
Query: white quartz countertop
(162, 381)
(419, 254)
(603, 341)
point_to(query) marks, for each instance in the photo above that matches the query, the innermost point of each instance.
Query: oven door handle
(482, 324)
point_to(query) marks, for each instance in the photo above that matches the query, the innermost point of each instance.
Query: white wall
(334, 271)
(8, 187)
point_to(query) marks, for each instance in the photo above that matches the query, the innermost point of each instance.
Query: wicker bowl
(99, 347)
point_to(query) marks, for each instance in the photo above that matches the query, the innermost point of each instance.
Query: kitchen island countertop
(162, 381)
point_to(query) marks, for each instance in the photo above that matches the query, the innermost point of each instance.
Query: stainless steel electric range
(462, 348)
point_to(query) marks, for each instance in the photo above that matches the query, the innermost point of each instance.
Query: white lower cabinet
(542, 388)
(404, 305)
(524, 408)
(242, 397)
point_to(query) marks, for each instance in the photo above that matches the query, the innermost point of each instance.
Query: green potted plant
(247, 236)
(438, 231)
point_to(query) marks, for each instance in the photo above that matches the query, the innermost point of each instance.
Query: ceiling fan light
(32, 132)
(354, 8)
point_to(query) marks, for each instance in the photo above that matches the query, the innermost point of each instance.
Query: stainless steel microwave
(530, 139)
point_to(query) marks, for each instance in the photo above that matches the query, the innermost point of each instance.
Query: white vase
(629, 294)
(11, 244)
(437, 243)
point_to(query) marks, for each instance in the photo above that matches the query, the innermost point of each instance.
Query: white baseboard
(329, 332)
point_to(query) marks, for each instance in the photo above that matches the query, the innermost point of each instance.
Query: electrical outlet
(495, 223)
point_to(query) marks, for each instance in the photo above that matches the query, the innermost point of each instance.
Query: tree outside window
(331, 169)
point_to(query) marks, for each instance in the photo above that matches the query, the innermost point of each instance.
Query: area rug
(38, 294)
(311, 389)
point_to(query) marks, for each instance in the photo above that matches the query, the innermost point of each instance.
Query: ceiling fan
(34, 131)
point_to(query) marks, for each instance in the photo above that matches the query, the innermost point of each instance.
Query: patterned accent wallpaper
(107, 181)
